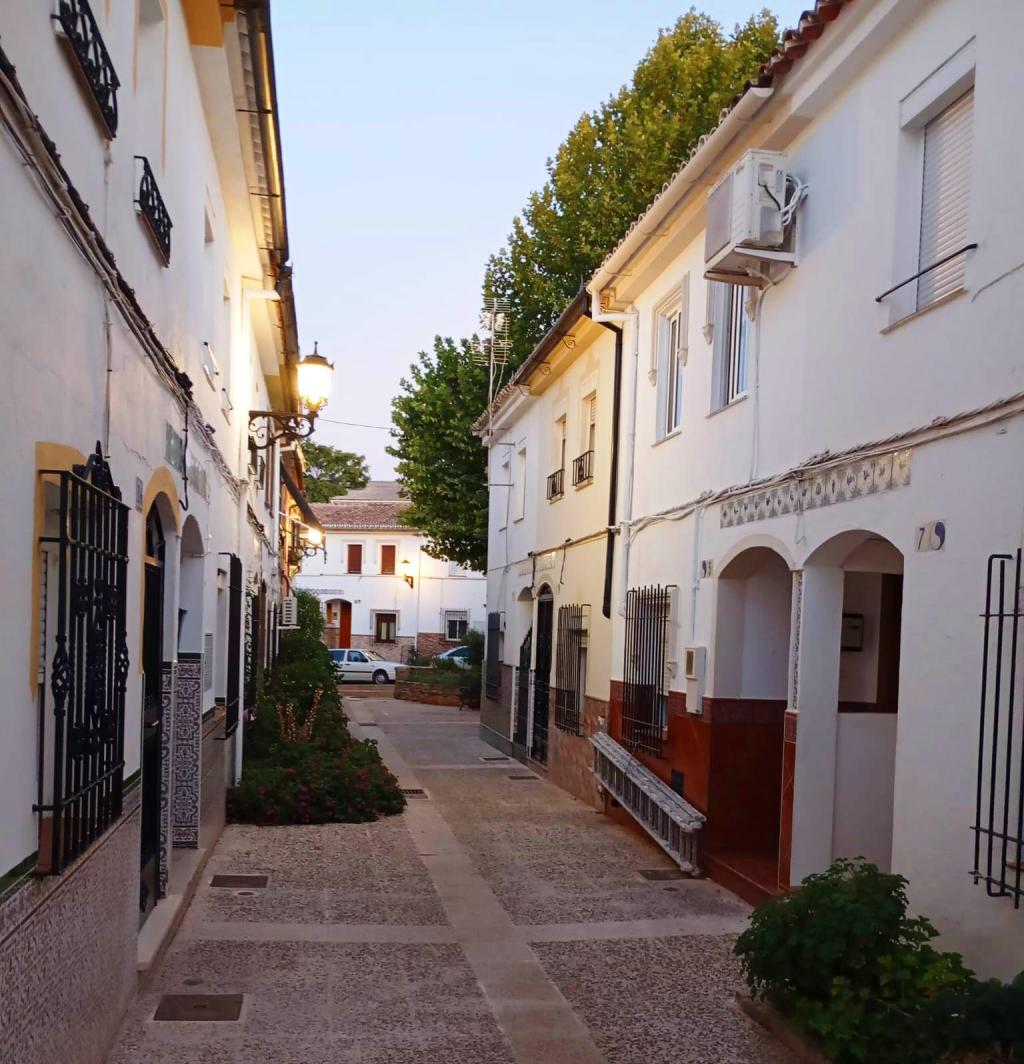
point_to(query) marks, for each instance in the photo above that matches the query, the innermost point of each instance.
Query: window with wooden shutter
(355, 557)
(945, 199)
(387, 558)
(385, 627)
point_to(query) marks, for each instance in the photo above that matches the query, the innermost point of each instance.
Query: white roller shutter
(945, 198)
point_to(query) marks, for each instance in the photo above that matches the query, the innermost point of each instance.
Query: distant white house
(379, 588)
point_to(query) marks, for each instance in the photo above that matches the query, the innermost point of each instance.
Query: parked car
(460, 655)
(364, 666)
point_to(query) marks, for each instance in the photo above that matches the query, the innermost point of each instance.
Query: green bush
(301, 765)
(843, 959)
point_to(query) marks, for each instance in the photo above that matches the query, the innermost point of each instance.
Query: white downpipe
(632, 317)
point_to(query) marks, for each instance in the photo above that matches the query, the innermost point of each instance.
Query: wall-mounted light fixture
(408, 577)
(314, 383)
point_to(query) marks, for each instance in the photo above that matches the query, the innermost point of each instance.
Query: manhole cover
(659, 874)
(494, 757)
(413, 792)
(524, 777)
(245, 894)
(236, 882)
(367, 723)
(224, 1007)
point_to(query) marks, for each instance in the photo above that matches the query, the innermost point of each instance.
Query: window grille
(78, 24)
(645, 680)
(456, 624)
(945, 199)
(493, 674)
(583, 468)
(570, 669)
(999, 809)
(556, 484)
(89, 670)
(150, 204)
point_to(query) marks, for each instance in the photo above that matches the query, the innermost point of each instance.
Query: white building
(146, 310)
(819, 480)
(379, 587)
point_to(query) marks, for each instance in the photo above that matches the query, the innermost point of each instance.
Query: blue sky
(413, 133)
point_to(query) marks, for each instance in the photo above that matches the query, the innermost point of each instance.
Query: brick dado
(399, 650)
(570, 757)
(430, 644)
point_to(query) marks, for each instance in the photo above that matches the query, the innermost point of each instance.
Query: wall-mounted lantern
(408, 577)
(314, 382)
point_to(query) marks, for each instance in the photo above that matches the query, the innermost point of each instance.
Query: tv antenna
(495, 350)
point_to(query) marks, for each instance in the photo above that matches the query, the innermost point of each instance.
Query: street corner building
(754, 573)
(378, 587)
(152, 526)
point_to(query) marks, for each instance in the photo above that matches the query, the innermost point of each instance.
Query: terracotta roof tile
(362, 514)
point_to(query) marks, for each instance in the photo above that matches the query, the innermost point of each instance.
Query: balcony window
(556, 485)
(150, 205)
(583, 468)
(79, 28)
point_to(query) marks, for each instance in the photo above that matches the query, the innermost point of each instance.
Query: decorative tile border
(867, 476)
(168, 679)
(185, 797)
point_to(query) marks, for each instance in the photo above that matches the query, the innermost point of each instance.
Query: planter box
(763, 1014)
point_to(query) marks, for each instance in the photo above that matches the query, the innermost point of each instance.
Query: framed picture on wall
(852, 637)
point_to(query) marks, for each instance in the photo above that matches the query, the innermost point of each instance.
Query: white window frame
(671, 353)
(925, 101)
(377, 614)
(457, 617)
(731, 338)
(589, 422)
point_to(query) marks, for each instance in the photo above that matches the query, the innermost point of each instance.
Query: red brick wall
(396, 651)
(430, 644)
(570, 757)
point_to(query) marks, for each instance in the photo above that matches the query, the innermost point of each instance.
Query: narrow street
(496, 921)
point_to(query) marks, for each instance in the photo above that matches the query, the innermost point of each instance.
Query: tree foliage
(439, 461)
(615, 160)
(605, 174)
(331, 472)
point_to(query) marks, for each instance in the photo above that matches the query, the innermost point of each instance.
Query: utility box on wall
(695, 660)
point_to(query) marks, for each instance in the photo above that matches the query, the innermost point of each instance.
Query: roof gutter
(672, 196)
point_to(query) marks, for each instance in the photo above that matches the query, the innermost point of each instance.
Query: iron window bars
(999, 811)
(645, 679)
(556, 484)
(89, 673)
(150, 205)
(82, 33)
(583, 468)
(572, 639)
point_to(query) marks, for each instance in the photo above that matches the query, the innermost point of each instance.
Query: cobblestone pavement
(496, 921)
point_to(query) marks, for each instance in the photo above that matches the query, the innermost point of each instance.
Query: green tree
(613, 163)
(439, 461)
(331, 472)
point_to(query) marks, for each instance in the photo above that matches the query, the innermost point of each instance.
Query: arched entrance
(521, 695)
(152, 709)
(856, 578)
(746, 715)
(338, 627)
(542, 674)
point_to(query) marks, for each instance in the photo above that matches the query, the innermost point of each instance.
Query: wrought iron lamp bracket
(266, 427)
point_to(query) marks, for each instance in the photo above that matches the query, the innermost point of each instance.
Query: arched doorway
(338, 627)
(747, 714)
(542, 674)
(521, 695)
(190, 589)
(861, 574)
(152, 709)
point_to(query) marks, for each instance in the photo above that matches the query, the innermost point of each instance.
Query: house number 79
(931, 536)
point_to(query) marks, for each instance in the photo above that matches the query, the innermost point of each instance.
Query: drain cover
(238, 882)
(224, 1007)
(524, 777)
(413, 792)
(659, 874)
(494, 757)
(367, 723)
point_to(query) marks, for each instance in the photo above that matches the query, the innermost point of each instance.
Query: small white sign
(931, 536)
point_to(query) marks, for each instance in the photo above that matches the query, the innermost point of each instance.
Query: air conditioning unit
(748, 218)
(289, 612)
(695, 659)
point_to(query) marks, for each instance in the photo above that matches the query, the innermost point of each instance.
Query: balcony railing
(556, 484)
(583, 468)
(150, 204)
(79, 27)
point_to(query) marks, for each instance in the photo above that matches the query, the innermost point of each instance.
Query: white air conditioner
(695, 659)
(748, 217)
(289, 612)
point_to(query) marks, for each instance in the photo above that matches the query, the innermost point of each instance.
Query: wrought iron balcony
(583, 468)
(78, 24)
(556, 484)
(150, 204)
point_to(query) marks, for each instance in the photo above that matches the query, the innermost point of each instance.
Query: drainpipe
(606, 318)
(613, 478)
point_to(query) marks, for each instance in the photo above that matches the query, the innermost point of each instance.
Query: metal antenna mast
(494, 353)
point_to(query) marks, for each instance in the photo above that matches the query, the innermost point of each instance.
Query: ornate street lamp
(314, 380)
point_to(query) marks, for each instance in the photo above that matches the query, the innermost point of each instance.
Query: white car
(365, 666)
(460, 655)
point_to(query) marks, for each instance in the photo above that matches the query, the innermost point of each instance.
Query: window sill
(585, 483)
(729, 406)
(921, 311)
(556, 498)
(668, 436)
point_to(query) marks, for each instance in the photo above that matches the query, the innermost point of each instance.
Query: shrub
(845, 962)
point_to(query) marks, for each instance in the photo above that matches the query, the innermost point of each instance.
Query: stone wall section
(68, 952)
(399, 650)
